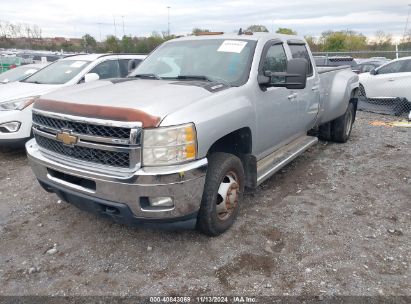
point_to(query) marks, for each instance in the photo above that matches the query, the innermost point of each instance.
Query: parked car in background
(16, 98)
(335, 61)
(367, 66)
(199, 120)
(382, 59)
(391, 80)
(379, 59)
(9, 62)
(39, 57)
(20, 73)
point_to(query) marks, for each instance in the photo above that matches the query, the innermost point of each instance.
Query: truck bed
(327, 69)
(332, 98)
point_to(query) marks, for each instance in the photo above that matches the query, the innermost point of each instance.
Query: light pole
(168, 20)
(115, 26)
(99, 29)
(406, 22)
(123, 26)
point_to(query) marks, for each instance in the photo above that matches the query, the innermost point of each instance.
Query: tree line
(26, 36)
(18, 30)
(345, 41)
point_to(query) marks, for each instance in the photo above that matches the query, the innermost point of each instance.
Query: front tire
(223, 193)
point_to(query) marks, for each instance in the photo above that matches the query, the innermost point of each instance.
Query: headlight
(169, 145)
(17, 104)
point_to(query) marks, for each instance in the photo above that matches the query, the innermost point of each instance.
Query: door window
(406, 66)
(394, 67)
(275, 61)
(300, 51)
(107, 69)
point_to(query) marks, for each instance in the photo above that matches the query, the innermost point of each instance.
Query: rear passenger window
(107, 69)
(300, 51)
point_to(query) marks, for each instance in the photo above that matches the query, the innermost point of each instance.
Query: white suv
(16, 98)
(391, 80)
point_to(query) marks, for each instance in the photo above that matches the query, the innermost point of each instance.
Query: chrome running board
(272, 163)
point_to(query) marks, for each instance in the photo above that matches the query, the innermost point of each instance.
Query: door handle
(315, 88)
(292, 96)
(391, 79)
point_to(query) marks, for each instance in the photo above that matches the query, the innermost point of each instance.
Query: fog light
(10, 127)
(161, 201)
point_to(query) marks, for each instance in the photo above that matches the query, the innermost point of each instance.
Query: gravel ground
(334, 222)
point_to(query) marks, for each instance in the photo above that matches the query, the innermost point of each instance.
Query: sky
(74, 18)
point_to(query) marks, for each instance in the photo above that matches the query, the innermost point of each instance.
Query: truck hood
(16, 90)
(154, 97)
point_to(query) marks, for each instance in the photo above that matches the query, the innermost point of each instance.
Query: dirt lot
(335, 222)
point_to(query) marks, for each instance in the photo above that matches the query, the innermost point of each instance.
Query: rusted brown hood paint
(148, 101)
(98, 111)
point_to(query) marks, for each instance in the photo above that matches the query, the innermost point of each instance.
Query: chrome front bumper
(183, 183)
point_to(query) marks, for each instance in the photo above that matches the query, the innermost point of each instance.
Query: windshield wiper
(194, 77)
(203, 77)
(150, 76)
(36, 82)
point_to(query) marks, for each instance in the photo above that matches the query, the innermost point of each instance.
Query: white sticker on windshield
(77, 64)
(232, 46)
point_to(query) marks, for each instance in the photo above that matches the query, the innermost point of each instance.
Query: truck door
(308, 99)
(277, 111)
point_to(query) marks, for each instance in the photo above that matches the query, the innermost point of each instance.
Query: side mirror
(373, 72)
(91, 77)
(295, 77)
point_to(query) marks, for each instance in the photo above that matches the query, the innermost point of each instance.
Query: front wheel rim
(227, 196)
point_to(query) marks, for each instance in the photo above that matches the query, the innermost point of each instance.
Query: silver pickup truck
(200, 120)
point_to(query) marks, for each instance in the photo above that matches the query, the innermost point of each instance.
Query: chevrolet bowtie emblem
(66, 138)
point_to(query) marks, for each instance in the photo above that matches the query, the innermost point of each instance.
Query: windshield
(59, 72)
(222, 60)
(16, 74)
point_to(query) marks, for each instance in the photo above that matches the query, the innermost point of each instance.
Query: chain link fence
(398, 106)
(379, 55)
(389, 106)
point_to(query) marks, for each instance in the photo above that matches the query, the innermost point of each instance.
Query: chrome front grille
(81, 127)
(102, 157)
(100, 144)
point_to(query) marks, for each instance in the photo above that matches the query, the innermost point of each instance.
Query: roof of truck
(253, 36)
